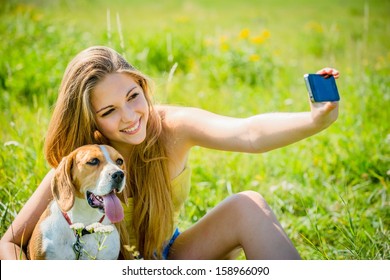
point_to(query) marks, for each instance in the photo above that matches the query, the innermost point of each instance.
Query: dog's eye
(119, 161)
(94, 161)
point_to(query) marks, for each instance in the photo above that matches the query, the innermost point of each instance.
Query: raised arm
(256, 134)
(19, 233)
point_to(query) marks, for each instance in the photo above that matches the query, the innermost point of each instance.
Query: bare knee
(259, 232)
(251, 202)
(250, 210)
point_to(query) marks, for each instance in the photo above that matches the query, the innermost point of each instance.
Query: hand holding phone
(320, 88)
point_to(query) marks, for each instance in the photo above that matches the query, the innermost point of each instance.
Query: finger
(329, 106)
(327, 71)
(321, 71)
(336, 74)
(324, 70)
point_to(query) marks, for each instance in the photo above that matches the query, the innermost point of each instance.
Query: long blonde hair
(73, 125)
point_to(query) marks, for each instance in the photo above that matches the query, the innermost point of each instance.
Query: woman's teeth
(132, 129)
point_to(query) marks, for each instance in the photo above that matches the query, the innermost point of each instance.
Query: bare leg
(243, 220)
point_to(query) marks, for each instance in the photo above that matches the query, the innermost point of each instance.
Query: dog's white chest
(59, 240)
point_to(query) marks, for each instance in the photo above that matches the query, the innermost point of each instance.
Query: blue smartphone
(321, 89)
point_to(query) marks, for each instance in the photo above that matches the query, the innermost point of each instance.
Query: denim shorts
(169, 245)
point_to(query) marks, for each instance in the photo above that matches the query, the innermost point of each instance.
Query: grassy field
(238, 58)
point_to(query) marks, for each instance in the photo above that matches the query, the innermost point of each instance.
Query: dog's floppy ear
(62, 187)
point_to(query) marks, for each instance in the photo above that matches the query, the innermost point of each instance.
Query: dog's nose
(118, 176)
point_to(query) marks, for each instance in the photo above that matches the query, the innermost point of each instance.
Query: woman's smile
(133, 129)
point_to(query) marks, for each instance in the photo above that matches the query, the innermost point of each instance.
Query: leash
(77, 246)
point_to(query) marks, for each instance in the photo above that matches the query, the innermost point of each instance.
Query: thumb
(330, 106)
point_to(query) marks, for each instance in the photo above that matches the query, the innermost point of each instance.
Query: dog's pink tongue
(113, 208)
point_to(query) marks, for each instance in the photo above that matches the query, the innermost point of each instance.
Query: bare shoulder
(176, 126)
(177, 118)
(197, 127)
(181, 124)
(171, 111)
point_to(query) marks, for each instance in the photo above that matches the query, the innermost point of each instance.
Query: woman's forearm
(275, 130)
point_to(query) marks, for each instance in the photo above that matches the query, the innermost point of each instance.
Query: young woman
(103, 99)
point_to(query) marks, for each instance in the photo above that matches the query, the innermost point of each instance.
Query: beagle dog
(84, 190)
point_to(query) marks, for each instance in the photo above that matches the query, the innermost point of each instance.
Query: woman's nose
(128, 114)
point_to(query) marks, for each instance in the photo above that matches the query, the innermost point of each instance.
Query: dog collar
(84, 231)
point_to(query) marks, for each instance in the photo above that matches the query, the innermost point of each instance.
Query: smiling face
(121, 110)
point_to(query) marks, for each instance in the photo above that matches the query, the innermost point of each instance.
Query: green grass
(330, 192)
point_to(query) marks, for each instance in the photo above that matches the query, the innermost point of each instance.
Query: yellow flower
(182, 19)
(129, 248)
(257, 39)
(265, 34)
(259, 177)
(224, 47)
(254, 57)
(136, 254)
(223, 43)
(244, 33)
(222, 39)
(314, 26)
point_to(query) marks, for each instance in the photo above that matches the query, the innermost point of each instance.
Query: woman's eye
(119, 161)
(133, 96)
(107, 113)
(94, 161)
